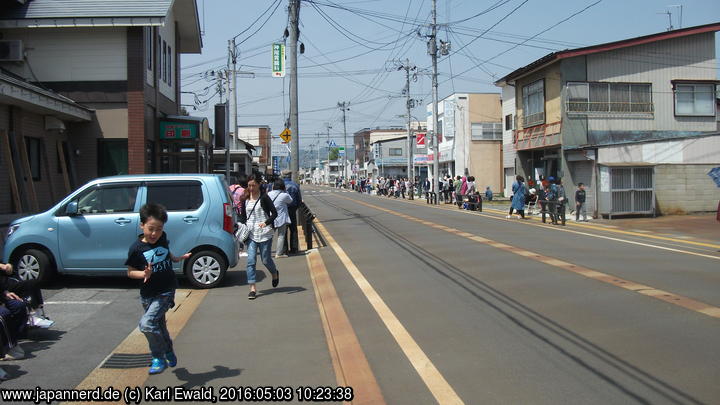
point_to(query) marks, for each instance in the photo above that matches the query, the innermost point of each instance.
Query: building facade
(471, 137)
(121, 64)
(634, 120)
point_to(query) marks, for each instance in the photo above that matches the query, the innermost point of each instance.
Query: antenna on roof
(680, 7)
(669, 14)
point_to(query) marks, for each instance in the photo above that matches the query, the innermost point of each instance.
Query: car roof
(144, 177)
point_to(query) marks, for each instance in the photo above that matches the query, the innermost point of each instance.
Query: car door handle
(190, 220)
(122, 221)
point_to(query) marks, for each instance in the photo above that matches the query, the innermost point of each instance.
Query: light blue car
(90, 231)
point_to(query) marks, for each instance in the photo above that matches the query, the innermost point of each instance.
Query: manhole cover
(128, 360)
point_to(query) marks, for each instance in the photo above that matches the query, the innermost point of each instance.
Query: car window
(176, 196)
(108, 200)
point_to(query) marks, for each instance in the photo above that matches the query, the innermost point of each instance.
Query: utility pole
(433, 50)
(327, 174)
(409, 104)
(344, 106)
(294, 32)
(227, 130)
(234, 110)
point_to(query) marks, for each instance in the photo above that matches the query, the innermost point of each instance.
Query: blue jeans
(265, 256)
(153, 325)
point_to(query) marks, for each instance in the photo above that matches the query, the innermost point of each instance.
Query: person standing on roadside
(580, 203)
(281, 200)
(518, 199)
(259, 214)
(293, 189)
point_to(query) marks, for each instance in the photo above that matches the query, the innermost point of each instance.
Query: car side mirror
(72, 208)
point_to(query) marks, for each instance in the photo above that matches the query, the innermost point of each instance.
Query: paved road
(416, 304)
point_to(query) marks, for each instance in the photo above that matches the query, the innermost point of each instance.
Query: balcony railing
(604, 107)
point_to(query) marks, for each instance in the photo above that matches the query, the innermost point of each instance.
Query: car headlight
(12, 229)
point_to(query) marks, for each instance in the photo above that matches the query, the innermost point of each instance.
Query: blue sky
(350, 47)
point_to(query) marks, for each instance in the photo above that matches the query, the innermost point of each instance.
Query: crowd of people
(547, 193)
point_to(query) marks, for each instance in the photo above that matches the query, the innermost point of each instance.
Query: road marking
(436, 383)
(643, 234)
(77, 302)
(604, 228)
(544, 226)
(649, 291)
(186, 302)
(349, 362)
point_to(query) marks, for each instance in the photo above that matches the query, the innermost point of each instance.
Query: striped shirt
(254, 218)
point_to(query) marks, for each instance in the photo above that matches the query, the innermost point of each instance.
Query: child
(151, 253)
(580, 203)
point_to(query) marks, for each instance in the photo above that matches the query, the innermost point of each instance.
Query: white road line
(78, 302)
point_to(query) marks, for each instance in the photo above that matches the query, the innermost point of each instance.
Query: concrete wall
(486, 164)
(72, 54)
(685, 188)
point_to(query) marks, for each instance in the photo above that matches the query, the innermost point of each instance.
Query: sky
(352, 49)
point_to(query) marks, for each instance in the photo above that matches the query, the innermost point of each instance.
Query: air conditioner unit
(11, 50)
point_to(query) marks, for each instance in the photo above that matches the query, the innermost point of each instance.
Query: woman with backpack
(281, 200)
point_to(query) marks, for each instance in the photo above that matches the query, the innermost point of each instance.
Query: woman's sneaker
(171, 359)
(157, 366)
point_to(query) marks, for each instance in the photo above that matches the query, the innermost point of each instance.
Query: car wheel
(34, 264)
(205, 269)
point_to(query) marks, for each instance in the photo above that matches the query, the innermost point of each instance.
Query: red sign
(420, 140)
(170, 133)
(185, 133)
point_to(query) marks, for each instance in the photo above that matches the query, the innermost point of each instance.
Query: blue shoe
(171, 359)
(158, 366)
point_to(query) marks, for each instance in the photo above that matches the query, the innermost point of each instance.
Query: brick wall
(685, 188)
(136, 101)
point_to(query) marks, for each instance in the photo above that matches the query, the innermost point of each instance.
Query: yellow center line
(671, 298)
(436, 383)
(632, 242)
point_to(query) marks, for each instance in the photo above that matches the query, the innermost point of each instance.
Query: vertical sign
(420, 140)
(278, 60)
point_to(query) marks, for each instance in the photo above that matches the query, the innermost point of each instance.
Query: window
(609, 98)
(509, 122)
(169, 67)
(486, 131)
(695, 99)
(176, 196)
(534, 103)
(396, 152)
(160, 60)
(112, 157)
(32, 146)
(164, 61)
(149, 47)
(108, 200)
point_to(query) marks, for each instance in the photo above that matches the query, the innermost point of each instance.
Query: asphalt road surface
(417, 304)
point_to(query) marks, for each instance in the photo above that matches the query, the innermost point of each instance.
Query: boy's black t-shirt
(163, 277)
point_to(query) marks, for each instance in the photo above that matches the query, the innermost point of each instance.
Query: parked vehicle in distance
(90, 231)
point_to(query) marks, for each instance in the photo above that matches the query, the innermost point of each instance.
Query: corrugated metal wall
(659, 63)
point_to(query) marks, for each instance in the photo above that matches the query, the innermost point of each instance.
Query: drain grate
(127, 360)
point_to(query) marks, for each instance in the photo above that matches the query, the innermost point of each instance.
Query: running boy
(149, 259)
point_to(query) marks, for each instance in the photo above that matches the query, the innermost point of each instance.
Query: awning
(16, 92)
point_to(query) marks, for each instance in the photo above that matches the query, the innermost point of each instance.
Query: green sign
(278, 60)
(178, 130)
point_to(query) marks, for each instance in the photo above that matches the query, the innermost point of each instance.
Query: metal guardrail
(306, 218)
